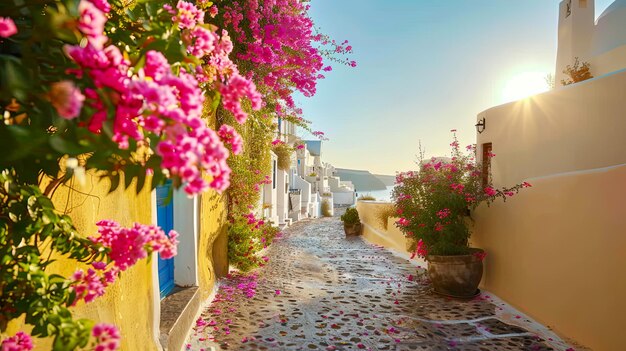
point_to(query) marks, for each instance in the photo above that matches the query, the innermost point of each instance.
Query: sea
(380, 195)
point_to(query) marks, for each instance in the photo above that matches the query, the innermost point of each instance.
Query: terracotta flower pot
(456, 276)
(352, 229)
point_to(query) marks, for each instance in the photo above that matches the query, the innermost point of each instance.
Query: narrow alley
(323, 291)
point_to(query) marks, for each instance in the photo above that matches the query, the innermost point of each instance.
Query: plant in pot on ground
(326, 209)
(351, 222)
(434, 206)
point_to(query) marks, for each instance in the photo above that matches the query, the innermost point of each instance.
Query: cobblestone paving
(323, 291)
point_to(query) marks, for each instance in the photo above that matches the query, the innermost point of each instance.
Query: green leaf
(115, 182)
(65, 146)
(14, 80)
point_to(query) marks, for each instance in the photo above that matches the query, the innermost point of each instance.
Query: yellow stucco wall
(375, 233)
(212, 257)
(557, 250)
(128, 302)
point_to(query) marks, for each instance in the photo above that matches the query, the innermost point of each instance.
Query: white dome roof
(617, 4)
(610, 28)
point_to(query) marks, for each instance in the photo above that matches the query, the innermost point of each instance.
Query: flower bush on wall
(433, 204)
(276, 46)
(117, 88)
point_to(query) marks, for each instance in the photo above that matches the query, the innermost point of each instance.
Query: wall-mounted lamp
(481, 125)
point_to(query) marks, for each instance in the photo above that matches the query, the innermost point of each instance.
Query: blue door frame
(165, 220)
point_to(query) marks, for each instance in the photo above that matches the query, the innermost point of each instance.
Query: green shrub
(351, 216)
(367, 197)
(245, 241)
(326, 208)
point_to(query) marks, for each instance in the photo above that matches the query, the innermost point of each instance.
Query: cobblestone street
(321, 291)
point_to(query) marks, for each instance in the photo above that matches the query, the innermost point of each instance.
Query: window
(486, 164)
(582, 4)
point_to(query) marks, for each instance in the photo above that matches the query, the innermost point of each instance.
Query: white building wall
(282, 194)
(270, 198)
(344, 198)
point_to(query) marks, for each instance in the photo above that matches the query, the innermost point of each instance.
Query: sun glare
(524, 85)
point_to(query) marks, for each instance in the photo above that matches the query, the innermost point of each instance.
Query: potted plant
(434, 206)
(351, 222)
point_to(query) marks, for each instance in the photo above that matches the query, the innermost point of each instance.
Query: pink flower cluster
(403, 222)
(125, 247)
(229, 136)
(161, 103)
(107, 337)
(91, 22)
(7, 27)
(66, 99)
(172, 107)
(90, 285)
(19, 342)
(204, 43)
(253, 221)
(490, 191)
(188, 15)
(128, 245)
(234, 90)
(156, 101)
(102, 5)
(266, 28)
(443, 213)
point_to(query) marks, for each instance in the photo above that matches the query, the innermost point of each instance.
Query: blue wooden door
(165, 220)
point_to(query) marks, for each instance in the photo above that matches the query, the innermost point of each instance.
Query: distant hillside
(362, 180)
(387, 179)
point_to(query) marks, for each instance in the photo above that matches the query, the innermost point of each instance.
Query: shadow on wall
(371, 214)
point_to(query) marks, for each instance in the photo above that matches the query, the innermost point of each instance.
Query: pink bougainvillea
(91, 23)
(278, 36)
(88, 285)
(128, 245)
(125, 246)
(7, 27)
(435, 201)
(229, 135)
(188, 15)
(107, 337)
(19, 342)
(66, 99)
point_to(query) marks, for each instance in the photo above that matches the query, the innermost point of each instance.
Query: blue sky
(424, 68)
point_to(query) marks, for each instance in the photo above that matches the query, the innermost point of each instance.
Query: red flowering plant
(434, 203)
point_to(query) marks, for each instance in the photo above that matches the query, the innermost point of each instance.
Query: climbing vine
(276, 45)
